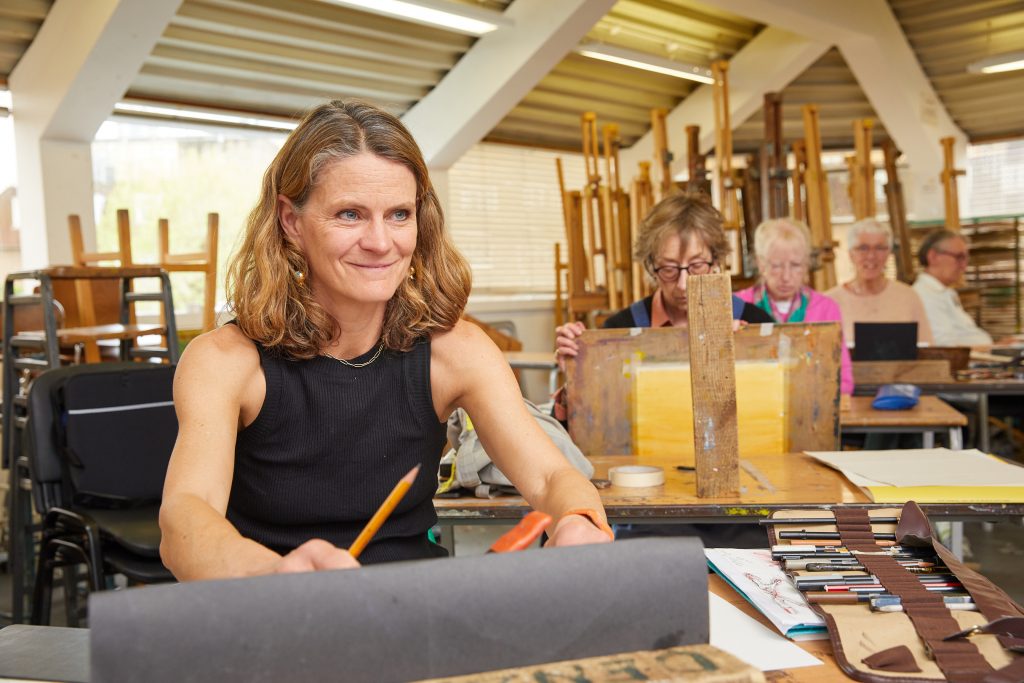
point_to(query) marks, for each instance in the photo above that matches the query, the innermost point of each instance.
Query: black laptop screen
(884, 341)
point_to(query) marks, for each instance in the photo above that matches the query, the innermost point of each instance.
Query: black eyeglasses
(671, 273)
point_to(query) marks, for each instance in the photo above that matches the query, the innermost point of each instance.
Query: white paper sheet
(922, 467)
(747, 639)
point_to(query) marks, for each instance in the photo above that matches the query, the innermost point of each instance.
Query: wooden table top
(931, 411)
(822, 649)
(967, 386)
(767, 483)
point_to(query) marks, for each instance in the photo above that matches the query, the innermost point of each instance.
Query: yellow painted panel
(663, 409)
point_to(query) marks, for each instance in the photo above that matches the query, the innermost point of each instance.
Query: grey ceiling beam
(496, 73)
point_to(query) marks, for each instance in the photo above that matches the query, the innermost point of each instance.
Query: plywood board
(663, 409)
(895, 371)
(600, 380)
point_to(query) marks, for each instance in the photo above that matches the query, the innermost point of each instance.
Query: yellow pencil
(382, 513)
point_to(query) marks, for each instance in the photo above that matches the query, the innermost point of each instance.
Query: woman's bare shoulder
(464, 337)
(223, 351)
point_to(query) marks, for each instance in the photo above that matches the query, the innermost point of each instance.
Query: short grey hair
(867, 226)
(781, 229)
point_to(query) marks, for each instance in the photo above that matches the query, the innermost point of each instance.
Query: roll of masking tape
(636, 475)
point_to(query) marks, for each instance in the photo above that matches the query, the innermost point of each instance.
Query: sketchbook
(760, 580)
(929, 475)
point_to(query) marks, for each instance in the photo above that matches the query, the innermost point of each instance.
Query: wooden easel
(696, 163)
(774, 173)
(641, 200)
(662, 154)
(799, 186)
(728, 185)
(862, 171)
(818, 209)
(619, 232)
(948, 176)
(897, 213)
(598, 229)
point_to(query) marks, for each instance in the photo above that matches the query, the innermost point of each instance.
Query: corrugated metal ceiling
(947, 36)
(276, 58)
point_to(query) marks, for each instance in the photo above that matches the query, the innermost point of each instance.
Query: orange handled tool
(523, 534)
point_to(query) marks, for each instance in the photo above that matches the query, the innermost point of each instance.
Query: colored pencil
(803, 534)
(383, 512)
(821, 520)
(854, 598)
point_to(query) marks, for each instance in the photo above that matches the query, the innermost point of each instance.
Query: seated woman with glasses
(783, 250)
(870, 296)
(681, 236)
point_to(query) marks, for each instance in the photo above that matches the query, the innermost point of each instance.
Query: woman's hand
(565, 341)
(576, 530)
(315, 555)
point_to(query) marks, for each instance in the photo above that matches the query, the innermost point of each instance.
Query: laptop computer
(884, 341)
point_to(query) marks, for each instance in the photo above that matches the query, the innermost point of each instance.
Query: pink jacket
(820, 309)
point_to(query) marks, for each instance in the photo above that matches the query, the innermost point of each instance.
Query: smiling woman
(346, 356)
(871, 296)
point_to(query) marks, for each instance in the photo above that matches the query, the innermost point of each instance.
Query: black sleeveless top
(329, 444)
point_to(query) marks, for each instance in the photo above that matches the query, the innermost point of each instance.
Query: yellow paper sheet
(663, 409)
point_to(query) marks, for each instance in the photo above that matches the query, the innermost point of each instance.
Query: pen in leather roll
(854, 598)
(802, 534)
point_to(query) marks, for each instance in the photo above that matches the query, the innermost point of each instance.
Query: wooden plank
(713, 384)
(895, 371)
(600, 380)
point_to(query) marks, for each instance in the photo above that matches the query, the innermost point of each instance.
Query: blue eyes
(400, 215)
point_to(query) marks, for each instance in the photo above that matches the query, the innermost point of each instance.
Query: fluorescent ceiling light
(474, 21)
(201, 116)
(1010, 61)
(640, 60)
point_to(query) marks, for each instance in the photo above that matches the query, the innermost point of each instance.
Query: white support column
(66, 84)
(876, 50)
(497, 72)
(768, 63)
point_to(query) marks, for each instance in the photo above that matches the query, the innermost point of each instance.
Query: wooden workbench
(930, 415)
(767, 483)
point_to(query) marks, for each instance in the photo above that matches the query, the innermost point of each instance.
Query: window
(180, 173)
(505, 214)
(995, 179)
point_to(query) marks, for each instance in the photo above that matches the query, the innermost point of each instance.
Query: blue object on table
(896, 397)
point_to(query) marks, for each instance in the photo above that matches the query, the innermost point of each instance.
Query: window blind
(995, 177)
(505, 214)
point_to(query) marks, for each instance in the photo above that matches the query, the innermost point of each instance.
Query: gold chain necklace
(376, 355)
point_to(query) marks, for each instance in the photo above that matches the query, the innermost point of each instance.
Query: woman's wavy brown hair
(274, 307)
(686, 215)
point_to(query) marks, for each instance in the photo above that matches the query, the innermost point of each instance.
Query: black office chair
(98, 441)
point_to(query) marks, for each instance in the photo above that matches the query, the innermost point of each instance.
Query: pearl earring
(299, 276)
(412, 272)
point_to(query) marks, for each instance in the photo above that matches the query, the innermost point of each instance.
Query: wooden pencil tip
(411, 476)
